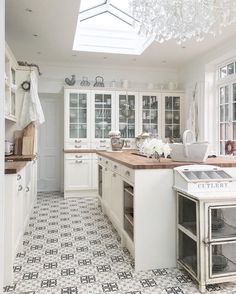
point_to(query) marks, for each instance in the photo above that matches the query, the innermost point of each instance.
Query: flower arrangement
(155, 148)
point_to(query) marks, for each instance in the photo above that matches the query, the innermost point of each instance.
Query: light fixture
(182, 19)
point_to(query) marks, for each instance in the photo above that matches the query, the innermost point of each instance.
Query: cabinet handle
(103, 141)
(115, 166)
(78, 156)
(106, 162)
(20, 188)
(114, 175)
(78, 161)
(100, 159)
(127, 173)
(77, 141)
(105, 169)
(27, 189)
(77, 146)
(18, 177)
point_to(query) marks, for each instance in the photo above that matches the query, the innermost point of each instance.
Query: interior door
(50, 143)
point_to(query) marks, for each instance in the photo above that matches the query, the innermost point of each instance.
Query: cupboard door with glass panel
(172, 116)
(127, 114)
(103, 117)
(77, 119)
(149, 113)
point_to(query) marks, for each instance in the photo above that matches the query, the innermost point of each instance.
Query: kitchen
(85, 216)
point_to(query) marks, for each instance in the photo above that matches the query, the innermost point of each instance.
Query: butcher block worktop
(13, 167)
(139, 162)
(14, 163)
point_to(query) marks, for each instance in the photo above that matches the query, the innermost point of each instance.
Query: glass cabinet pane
(172, 116)
(103, 113)
(223, 259)
(223, 222)
(13, 103)
(187, 214)
(127, 116)
(150, 114)
(78, 115)
(187, 251)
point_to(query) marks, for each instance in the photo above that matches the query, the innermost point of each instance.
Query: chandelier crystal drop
(182, 19)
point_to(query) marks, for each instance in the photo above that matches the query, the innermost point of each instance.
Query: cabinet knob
(127, 173)
(18, 177)
(77, 146)
(106, 162)
(78, 161)
(105, 169)
(20, 188)
(115, 166)
(27, 189)
(114, 175)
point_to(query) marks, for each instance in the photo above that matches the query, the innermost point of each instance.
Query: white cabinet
(172, 115)
(103, 117)
(77, 119)
(10, 85)
(127, 114)
(150, 113)
(80, 174)
(19, 200)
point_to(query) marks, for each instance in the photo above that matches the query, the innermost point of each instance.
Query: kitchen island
(136, 193)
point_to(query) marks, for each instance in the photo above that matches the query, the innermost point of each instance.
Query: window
(227, 105)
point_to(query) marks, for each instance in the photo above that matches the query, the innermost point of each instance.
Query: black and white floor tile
(70, 247)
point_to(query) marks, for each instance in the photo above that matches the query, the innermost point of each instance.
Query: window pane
(234, 92)
(226, 112)
(230, 68)
(222, 119)
(222, 134)
(227, 132)
(222, 95)
(223, 72)
(226, 94)
(234, 111)
(234, 131)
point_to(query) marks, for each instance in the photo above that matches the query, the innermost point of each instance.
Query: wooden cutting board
(28, 145)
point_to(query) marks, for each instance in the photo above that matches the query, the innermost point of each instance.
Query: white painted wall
(202, 70)
(2, 133)
(53, 76)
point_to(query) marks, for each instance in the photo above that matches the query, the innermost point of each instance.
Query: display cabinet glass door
(222, 259)
(222, 223)
(187, 214)
(172, 117)
(103, 115)
(78, 115)
(150, 109)
(127, 115)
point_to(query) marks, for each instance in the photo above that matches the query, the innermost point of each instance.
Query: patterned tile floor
(70, 247)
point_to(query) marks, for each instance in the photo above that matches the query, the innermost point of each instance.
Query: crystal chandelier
(182, 19)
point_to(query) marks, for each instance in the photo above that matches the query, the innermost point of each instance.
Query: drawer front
(106, 162)
(127, 173)
(78, 156)
(77, 144)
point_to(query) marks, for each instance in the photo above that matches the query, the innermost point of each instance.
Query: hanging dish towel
(31, 107)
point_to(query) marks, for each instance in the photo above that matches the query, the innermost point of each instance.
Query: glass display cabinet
(150, 113)
(127, 114)
(172, 125)
(206, 224)
(78, 115)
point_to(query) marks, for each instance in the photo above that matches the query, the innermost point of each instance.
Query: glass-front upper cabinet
(103, 114)
(127, 114)
(76, 116)
(149, 113)
(172, 116)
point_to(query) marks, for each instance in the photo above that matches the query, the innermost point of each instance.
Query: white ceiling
(54, 21)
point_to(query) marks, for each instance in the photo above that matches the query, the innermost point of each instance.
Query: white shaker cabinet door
(78, 175)
(117, 198)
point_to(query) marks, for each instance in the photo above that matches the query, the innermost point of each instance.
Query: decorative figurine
(70, 82)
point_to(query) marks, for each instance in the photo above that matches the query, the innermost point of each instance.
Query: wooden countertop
(13, 167)
(20, 157)
(138, 162)
(14, 163)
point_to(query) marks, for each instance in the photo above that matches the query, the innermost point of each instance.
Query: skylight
(107, 26)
